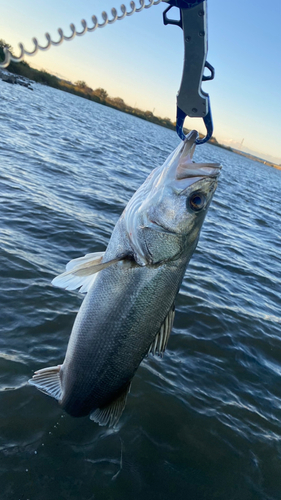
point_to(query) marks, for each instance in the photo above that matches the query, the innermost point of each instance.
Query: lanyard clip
(191, 99)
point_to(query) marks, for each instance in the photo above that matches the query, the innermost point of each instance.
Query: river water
(205, 421)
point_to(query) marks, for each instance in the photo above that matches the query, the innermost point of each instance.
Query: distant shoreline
(26, 75)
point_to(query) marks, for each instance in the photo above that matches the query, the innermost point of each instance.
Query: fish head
(165, 216)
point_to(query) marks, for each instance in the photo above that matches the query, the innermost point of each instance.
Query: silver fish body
(115, 326)
(129, 306)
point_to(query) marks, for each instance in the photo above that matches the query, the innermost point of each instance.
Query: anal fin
(48, 381)
(110, 414)
(160, 342)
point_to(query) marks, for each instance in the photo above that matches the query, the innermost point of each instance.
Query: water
(204, 422)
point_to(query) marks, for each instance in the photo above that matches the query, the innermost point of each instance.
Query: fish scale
(128, 311)
(130, 338)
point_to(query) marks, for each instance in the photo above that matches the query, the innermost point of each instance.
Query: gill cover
(156, 218)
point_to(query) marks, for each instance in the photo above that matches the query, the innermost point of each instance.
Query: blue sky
(140, 60)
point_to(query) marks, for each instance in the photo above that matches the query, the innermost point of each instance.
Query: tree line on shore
(101, 96)
(80, 88)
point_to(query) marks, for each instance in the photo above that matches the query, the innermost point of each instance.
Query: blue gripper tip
(207, 120)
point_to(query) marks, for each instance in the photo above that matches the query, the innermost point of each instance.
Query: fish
(129, 307)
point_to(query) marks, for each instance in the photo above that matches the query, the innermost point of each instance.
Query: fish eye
(197, 201)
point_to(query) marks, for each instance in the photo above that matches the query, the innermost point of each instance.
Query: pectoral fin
(110, 414)
(90, 257)
(160, 342)
(81, 272)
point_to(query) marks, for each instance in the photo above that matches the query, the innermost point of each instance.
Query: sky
(141, 60)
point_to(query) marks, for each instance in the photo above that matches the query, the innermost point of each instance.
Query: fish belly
(114, 328)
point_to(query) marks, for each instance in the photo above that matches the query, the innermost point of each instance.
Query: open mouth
(187, 168)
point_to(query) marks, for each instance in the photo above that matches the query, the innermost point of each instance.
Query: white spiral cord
(9, 57)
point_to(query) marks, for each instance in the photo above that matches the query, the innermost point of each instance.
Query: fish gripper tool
(191, 99)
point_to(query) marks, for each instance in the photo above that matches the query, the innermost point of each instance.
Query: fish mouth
(187, 168)
(189, 144)
(160, 227)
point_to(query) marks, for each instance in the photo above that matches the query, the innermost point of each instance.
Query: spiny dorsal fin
(110, 414)
(160, 342)
(48, 381)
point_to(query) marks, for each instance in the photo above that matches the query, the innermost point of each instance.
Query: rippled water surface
(205, 421)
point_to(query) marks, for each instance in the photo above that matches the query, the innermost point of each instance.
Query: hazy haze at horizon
(140, 60)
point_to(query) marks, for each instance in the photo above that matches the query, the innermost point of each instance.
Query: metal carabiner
(191, 99)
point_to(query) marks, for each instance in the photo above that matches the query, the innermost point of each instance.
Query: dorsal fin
(160, 342)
